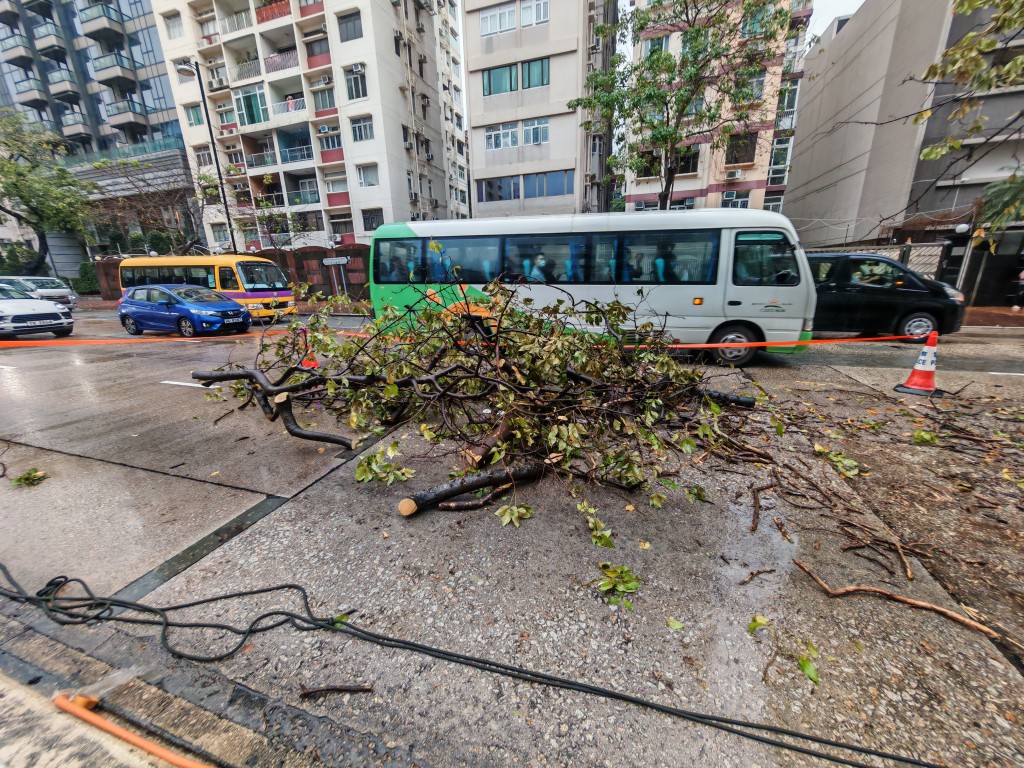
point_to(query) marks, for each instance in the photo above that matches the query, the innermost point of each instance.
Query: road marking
(183, 384)
(1000, 373)
(8, 368)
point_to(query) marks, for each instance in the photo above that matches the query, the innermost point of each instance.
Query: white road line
(183, 384)
(8, 368)
(1000, 373)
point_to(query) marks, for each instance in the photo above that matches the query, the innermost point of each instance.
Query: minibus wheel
(733, 334)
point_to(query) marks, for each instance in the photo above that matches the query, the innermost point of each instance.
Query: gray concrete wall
(854, 156)
(66, 253)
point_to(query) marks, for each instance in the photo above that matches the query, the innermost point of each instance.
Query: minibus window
(228, 279)
(764, 258)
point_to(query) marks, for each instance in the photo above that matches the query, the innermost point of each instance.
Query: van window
(764, 258)
(228, 279)
(823, 270)
(876, 272)
(546, 258)
(461, 259)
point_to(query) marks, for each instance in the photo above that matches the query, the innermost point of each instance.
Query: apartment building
(751, 170)
(327, 115)
(95, 74)
(526, 60)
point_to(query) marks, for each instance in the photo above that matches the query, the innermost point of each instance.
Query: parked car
(868, 293)
(43, 288)
(187, 309)
(20, 314)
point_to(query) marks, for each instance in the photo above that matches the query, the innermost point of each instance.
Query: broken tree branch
(461, 485)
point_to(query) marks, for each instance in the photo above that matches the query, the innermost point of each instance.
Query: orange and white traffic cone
(310, 361)
(922, 379)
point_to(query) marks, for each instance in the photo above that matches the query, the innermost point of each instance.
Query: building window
(461, 147)
(773, 203)
(535, 12)
(175, 29)
(350, 26)
(368, 176)
(334, 185)
(194, 114)
(500, 80)
(778, 171)
(551, 184)
(752, 89)
(458, 121)
(735, 199)
(457, 96)
(237, 159)
(535, 73)
(535, 131)
(323, 99)
(789, 92)
(362, 128)
(220, 233)
(688, 160)
(203, 155)
(372, 218)
(499, 18)
(653, 44)
(502, 136)
(462, 172)
(227, 117)
(330, 142)
(356, 84)
(497, 189)
(741, 149)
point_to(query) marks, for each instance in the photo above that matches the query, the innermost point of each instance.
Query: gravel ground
(891, 677)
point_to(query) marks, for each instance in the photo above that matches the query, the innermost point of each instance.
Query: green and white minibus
(705, 276)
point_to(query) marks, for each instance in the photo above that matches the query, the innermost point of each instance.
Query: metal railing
(44, 30)
(113, 60)
(246, 69)
(60, 76)
(121, 153)
(304, 197)
(101, 9)
(72, 118)
(31, 84)
(297, 154)
(128, 105)
(786, 121)
(13, 42)
(240, 20)
(289, 107)
(280, 61)
(261, 159)
(270, 200)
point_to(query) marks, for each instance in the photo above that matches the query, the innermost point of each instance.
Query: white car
(21, 314)
(42, 288)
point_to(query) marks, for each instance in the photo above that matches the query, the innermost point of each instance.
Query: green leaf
(674, 625)
(657, 500)
(391, 391)
(812, 650)
(809, 669)
(758, 622)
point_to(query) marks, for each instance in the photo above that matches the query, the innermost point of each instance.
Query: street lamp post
(191, 69)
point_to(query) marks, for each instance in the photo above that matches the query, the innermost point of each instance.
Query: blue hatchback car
(187, 309)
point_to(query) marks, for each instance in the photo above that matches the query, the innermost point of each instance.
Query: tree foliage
(697, 77)
(34, 189)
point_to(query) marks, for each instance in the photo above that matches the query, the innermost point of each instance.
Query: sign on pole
(339, 261)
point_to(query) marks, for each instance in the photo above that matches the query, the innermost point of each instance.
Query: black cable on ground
(90, 609)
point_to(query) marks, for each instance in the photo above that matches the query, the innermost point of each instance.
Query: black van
(865, 292)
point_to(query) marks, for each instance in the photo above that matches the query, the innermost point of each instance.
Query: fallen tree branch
(754, 574)
(460, 485)
(471, 504)
(861, 589)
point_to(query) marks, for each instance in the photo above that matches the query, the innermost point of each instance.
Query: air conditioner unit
(596, 45)
(430, 156)
(325, 80)
(730, 195)
(733, 175)
(335, 238)
(421, 27)
(323, 28)
(408, 145)
(399, 36)
(357, 67)
(425, 100)
(640, 205)
(227, 131)
(218, 82)
(324, 129)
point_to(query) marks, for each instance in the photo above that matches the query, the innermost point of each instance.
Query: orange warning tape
(99, 342)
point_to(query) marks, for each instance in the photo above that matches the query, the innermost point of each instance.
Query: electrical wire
(90, 609)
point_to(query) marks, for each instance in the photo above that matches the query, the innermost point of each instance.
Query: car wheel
(733, 334)
(63, 332)
(130, 325)
(917, 324)
(186, 328)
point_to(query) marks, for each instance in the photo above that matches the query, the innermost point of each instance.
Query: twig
(470, 504)
(854, 589)
(306, 693)
(754, 574)
(222, 416)
(757, 504)
(903, 558)
(782, 529)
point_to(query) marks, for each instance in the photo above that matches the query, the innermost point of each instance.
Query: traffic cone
(922, 379)
(310, 361)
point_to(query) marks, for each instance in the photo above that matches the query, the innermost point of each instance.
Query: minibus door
(764, 284)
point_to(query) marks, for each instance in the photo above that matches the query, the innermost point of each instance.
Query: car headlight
(205, 312)
(289, 303)
(953, 293)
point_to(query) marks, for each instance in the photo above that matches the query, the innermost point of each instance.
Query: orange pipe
(81, 707)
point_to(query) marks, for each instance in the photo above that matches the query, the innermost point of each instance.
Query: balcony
(30, 92)
(270, 200)
(786, 120)
(801, 9)
(275, 10)
(103, 22)
(792, 62)
(63, 85)
(73, 126)
(297, 154)
(115, 70)
(236, 23)
(310, 7)
(128, 115)
(338, 199)
(296, 107)
(206, 41)
(261, 160)
(16, 50)
(279, 62)
(304, 197)
(9, 13)
(245, 70)
(50, 41)
(41, 7)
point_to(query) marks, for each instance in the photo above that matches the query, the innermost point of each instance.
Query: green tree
(699, 74)
(34, 189)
